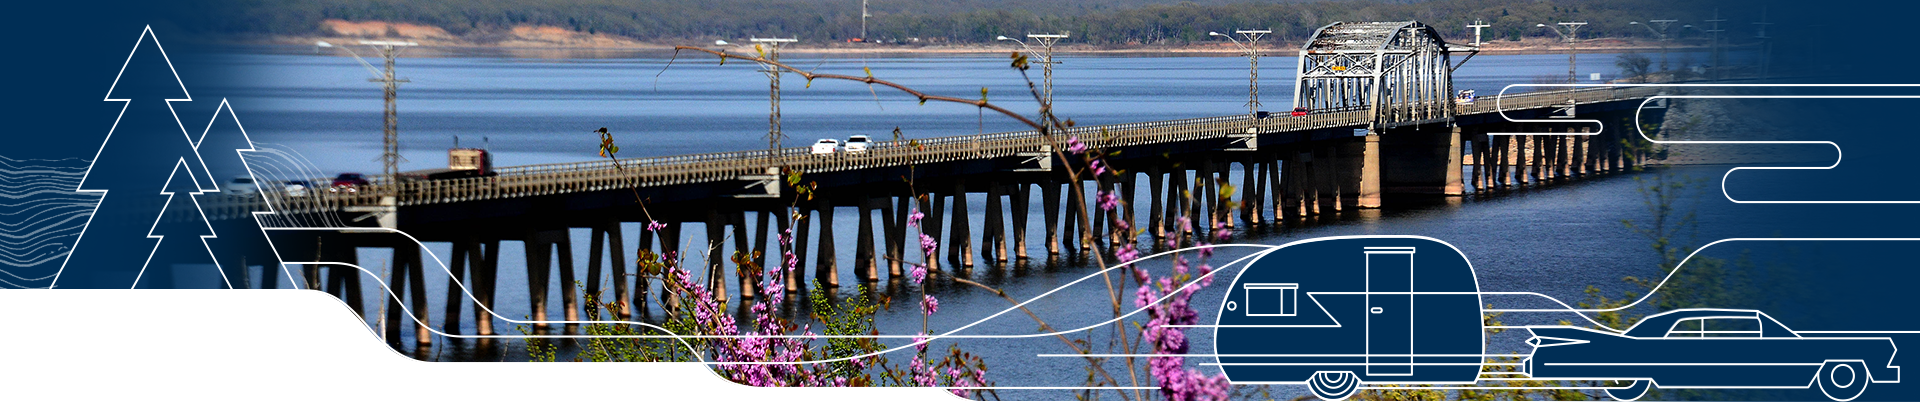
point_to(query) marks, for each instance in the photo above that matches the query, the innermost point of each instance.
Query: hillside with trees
(1100, 23)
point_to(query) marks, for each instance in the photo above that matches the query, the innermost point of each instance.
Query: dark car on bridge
(1711, 348)
(348, 183)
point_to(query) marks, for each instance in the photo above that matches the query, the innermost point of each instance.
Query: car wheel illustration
(1629, 392)
(1843, 380)
(1333, 386)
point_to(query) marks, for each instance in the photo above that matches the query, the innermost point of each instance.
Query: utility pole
(1046, 42)
(1660, 32)
(771, 49)
(1572, 35)
(1252, 46)
(863, 21)
(1477, 25)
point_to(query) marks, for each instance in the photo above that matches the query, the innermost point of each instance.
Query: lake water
(1556, 240)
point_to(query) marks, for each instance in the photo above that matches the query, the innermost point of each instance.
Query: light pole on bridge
(1572, 35)
(390, 148)
(1660, 32)
(1252, 46)
(769, 48)
(1046, 42)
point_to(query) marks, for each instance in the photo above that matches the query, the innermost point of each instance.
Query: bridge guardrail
(547, 179)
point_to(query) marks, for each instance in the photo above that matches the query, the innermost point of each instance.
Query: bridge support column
(1250, 192)
(802, 227)
(485, 277)
(716, 254)
(930, 227)
(1194, 187)
(768, 260)
(864, 266)
(826, 270)
(1275, 190)
(749, 285)
(890, 229)
(671, 256)
(1290, 207)
(796, 243)
(539, 266)
(569, 295)
(406, 280)
(596, 249)
(1050, 210)
(993, 238)
(1324, 166)
(1561, 159)
(1079, 218)
(458, 284)
(1127, 191)
(1103, 219)
(1369, 192)
(617, 248)
(1583, 146)
(1021, 193)
(961, 235)
(898, 252)
(1523, 172)
(1155, 182)
(1454, 187)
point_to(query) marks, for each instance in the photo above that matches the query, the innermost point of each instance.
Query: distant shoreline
(538, 49)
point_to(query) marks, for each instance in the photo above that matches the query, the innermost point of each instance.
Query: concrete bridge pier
(1156, 181)
(749, 285)
(827, 269)
(960, 236)
(902, 207)
(1368, 196)
(1050, 212)
(929, 227)
(408, 287)
(716, 228)
(863, 252)
(1021, 194)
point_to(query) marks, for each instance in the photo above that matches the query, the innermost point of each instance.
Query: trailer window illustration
(1272, 299)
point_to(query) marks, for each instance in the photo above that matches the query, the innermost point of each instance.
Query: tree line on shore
(1118, 23)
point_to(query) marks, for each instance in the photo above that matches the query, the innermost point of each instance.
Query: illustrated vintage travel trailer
(1338, 313)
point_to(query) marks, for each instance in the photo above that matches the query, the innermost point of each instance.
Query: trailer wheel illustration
(1340, 313)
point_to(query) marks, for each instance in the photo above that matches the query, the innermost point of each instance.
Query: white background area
(305, 346)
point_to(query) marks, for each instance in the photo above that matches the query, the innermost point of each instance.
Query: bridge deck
(552, 179)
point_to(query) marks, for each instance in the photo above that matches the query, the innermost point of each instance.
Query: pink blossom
(919, 274)
(930, 304)
(913, 220)
(1074, 145)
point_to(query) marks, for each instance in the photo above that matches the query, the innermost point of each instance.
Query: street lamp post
(1252, 46)
(390, 150)
(1660, 32)
(1046, 42)
(1572, 35)
(771, 50)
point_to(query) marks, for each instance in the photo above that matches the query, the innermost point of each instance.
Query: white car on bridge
(858, 143)
(826, 146)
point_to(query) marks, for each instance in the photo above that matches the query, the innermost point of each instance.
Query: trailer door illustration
(1389, 311)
